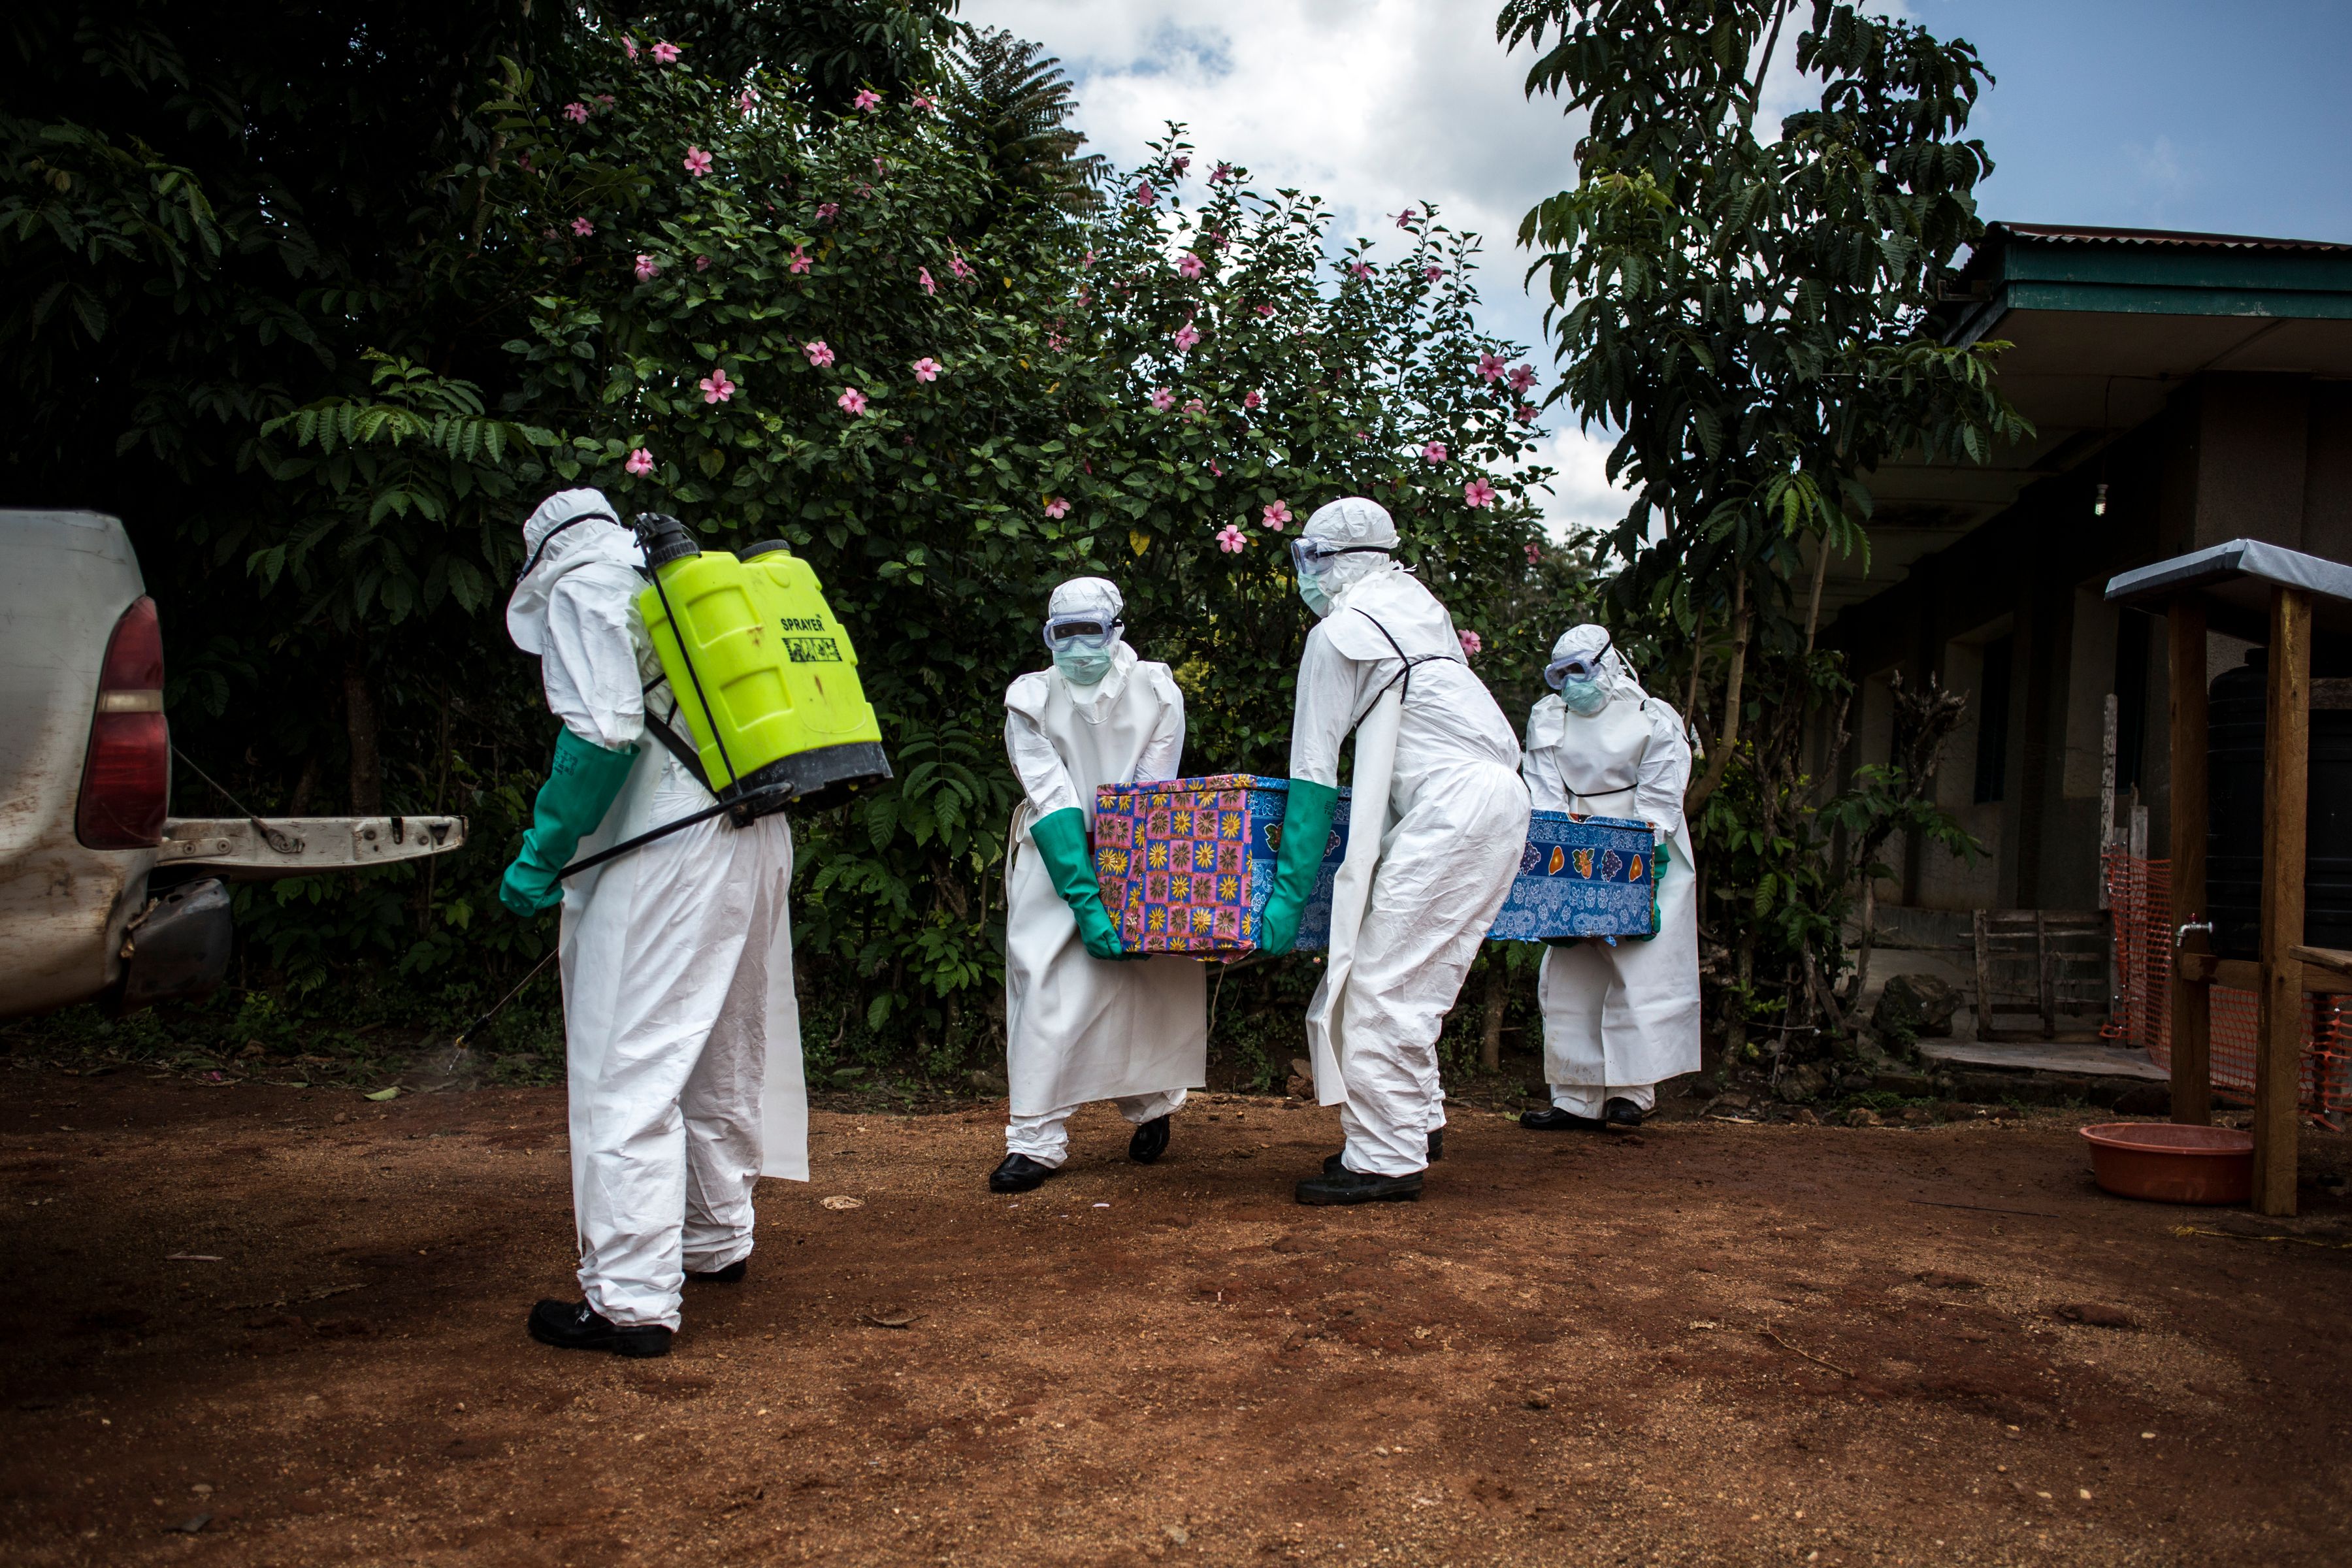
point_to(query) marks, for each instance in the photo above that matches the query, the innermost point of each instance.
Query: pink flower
(606, 99)
(665, 53)
(1266, 313)
(1470, 644)
(1490, 367)
(1194, 408)
(746, 98)
(629, 45)
(799, 261)
(648, 267)
(1189, 265)
(698, 162)
(1085, 297)
(927, 369)
(1404, 219)
(1435, 451)
(851, 400)
(819, 351)
(827, 211)
(702, 264)
(1162, 399)
(1221, 173)
(1535, 553)
(1232, 540)
(960, 269)
(1145, 195)
(1359, 269)
(1432, 273)
(582, 227)
(1251, 400)
(1087, 259)
(1273, 515)
(868, 99)
(1214, 469)
(1180, 165)
(1525, 413)
(921, 102)
(1478, 493)
(879, 167)
(1522, 377)
(1186, 336)
(641, 461)
(1057, 508)
(716, 387)
(1057, 342)
(923, 275)
(576, 112)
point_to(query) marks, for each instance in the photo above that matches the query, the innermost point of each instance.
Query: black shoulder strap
(670, 740)
(1404, 675)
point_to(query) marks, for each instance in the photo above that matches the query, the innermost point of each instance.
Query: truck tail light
(126, 779)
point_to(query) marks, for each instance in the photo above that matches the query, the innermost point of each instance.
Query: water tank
(2233, 842)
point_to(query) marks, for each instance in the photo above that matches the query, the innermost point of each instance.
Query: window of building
(1993, 718)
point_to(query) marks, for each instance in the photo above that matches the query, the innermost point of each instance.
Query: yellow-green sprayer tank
(764, 676)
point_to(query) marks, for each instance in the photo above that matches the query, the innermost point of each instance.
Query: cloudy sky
(2159, 113)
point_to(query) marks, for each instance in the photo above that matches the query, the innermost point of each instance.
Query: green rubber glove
(1305, 832)
(1061, 840)
(582, 784)
(1659, 862)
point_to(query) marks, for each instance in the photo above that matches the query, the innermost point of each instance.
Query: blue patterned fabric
(1592, 875)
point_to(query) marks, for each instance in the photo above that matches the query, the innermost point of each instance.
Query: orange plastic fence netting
(2139, 894)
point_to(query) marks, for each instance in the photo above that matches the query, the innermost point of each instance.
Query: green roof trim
(2160, 275)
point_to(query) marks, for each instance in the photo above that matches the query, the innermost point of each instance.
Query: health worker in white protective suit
(681, 1033)
(1435, 827)
(1079, 1023)
(1618, 1019)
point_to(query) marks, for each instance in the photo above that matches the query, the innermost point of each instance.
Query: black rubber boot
(1619, 1111)
(1019, 1173)
(731, 1275)
(1346, 1186)
(1335, 1163)
(1150, 1141)
(577, 1326)
(1552, 1119)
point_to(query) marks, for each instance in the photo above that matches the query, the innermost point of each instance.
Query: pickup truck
(103, 894)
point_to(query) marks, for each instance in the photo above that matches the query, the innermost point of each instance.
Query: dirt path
(1714, 1344)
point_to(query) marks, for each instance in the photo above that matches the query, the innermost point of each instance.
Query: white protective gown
(1079, 1028)
(681, 1029)
(1618, 1021)
(1448, 847)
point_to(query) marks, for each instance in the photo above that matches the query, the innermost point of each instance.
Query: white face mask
(1083, 666)
(1584, 698)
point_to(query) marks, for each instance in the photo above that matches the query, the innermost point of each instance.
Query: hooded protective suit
(1431, 852)
(681, 1031)
(1080, 1028)
(1618, 1020)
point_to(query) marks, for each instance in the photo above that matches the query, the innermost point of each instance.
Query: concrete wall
(2230, 456)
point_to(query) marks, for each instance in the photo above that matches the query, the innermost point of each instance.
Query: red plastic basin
(2171, 1163)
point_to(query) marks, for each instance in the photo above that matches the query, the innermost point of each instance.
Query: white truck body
(71, 916)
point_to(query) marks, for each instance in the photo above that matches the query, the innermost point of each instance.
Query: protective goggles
(1314, 556)
(1575, 667)
(1081, 631)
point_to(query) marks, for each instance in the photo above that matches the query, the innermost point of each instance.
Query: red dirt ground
(1710, 1344)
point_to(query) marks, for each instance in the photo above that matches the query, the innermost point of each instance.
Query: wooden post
(2193, 1001)
(2286, 778)
(2046, 972)
(1977, 929)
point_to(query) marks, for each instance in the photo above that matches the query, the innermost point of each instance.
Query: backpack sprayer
(763, 675)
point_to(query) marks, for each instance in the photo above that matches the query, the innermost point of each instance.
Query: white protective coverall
(681, 1031)
(1079, 1028)
(1618, 1020)
(1447, 834)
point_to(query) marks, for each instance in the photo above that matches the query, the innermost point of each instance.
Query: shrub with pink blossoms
(1232, 540)
(698, 162)
(851, 400)
(819, 351)
(716, 387)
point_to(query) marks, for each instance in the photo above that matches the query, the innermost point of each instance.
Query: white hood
(570, 530)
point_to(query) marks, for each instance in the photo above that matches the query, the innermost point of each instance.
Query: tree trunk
(1813, 610)
(367, 753)
(1498, 999)
(1741, 619)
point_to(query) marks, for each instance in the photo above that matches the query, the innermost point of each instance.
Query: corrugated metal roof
(2083, 234)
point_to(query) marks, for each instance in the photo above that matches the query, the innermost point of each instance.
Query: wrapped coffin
(1186, 866)
(1590, 876)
